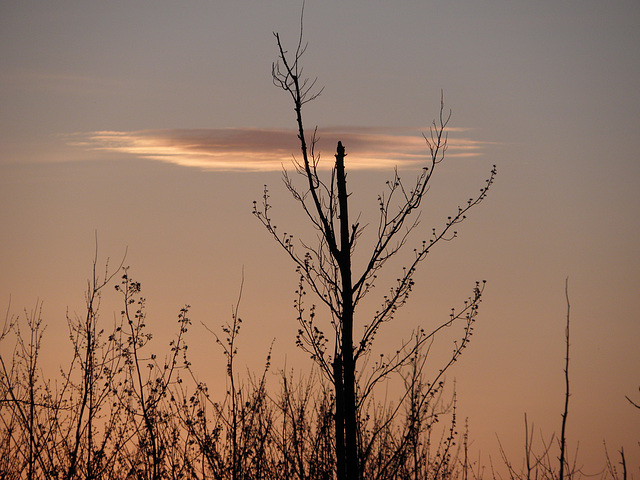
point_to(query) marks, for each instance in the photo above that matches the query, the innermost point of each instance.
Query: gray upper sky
(156, 124)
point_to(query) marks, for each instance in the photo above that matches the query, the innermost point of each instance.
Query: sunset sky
(155, 125)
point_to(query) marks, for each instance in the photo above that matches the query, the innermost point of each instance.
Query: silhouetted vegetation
(117, 410)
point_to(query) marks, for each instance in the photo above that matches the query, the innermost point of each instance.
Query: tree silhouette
(328, 268)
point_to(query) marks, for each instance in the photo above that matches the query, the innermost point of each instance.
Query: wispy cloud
(253, 149)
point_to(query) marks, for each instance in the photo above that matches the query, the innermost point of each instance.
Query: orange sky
(156, 126)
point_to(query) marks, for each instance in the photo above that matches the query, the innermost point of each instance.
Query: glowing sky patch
(233, 149)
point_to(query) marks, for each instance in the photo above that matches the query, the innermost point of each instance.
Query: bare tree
(565, 412)
(69, 422)
(328, 268)
(98, 363)
(23, 396)
(146, 384)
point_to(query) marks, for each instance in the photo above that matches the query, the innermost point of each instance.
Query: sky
(153, 126)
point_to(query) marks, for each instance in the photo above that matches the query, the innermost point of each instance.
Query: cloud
(253, 149)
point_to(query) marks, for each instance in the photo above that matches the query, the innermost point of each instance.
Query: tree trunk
(339, 417)
(348, 364)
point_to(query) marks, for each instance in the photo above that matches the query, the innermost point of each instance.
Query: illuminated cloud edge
(253, 149)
